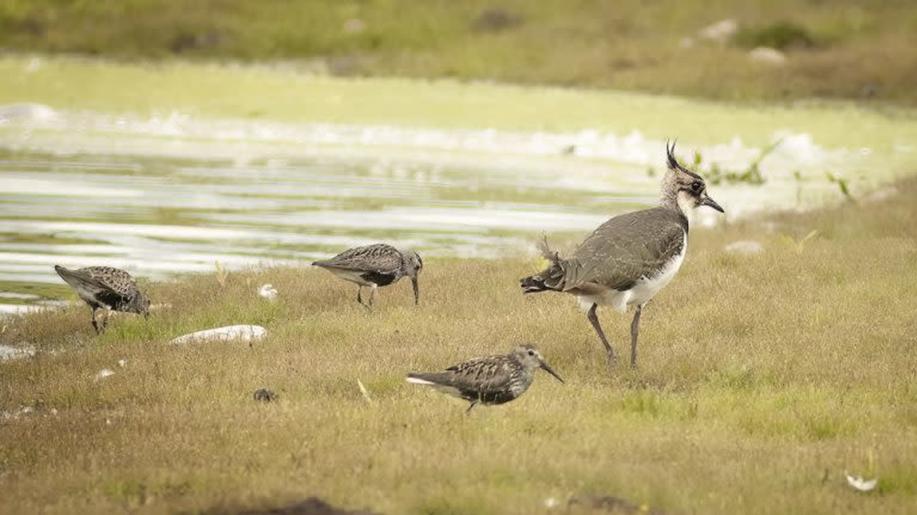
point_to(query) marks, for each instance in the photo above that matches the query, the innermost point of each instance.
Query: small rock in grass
(11, 353)
(105, 372)
(861, 484)
(242, 333)
(744, 247)
(122, 363)
(267, 291)
(719, 32)
(265, 395)
(767, 55)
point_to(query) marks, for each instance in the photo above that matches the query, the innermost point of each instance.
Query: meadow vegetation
(852, 49)
(763, 378)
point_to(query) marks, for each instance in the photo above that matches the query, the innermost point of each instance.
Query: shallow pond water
(164, 195)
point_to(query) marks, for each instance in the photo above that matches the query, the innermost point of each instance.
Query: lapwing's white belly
(644, 289)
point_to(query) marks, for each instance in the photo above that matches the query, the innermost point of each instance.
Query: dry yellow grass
(763, 378)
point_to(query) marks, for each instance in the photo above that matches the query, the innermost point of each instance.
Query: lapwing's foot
(611, 359)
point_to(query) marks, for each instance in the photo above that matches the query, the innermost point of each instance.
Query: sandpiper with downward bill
(373, 266)
(488, 380)
(628, 259)
(106, 288)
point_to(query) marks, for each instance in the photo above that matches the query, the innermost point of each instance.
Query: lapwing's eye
(697, 186)
(531, 353)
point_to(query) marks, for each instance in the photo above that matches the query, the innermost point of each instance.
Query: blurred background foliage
(752, 50)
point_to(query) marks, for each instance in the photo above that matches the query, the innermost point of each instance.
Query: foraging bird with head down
(627, 260)
(108, 289)
(490, 379)
(375, 265)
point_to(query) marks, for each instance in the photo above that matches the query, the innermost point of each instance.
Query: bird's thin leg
(372, 295)
(105, 314)
(598, 329)
(360, 294)
(473, 404)
(95, 324)
(634, 332)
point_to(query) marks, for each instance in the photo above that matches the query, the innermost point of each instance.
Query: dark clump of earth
(264, 395)
(310, 506)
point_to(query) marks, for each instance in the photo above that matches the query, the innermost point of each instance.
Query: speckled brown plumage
(107, 288)
(488, 380)
(373, 266)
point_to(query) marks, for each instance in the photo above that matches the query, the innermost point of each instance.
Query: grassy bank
(763, 377)
(842, 49)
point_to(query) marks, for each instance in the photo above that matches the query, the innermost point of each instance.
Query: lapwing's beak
(416, 290)
(709, 202)
(550, 370)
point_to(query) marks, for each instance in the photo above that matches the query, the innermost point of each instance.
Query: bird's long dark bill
(709, 202)
(551, 371)
(416, 290)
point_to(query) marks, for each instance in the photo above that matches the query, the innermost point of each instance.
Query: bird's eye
(696, 186)
(531, 352)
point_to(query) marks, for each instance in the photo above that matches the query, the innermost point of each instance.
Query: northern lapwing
(373, 266)
(488, 380)
(108, 289)
(628, 259)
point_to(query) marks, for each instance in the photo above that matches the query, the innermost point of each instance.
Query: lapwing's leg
(598, 329)
(473, 404)
(95, 323)
(360, 294)
(634, 332)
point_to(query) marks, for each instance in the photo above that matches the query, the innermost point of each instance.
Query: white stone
(242, 333)
(122, 363)
(745, 247)
(767, 55)
(105, 372)
(719, 32)
(861, 484)
(8, 353)
(267, 291)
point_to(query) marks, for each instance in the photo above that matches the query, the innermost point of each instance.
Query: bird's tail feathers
(72, 277)
(417, 379)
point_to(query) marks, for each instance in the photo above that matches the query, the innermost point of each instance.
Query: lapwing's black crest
(106, 288)
(629, 258)
(490, 379)
(375, 265)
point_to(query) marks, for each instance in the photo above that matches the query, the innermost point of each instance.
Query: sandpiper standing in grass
(488, 380)
(629, 258)
(373, 266)
(106, 288)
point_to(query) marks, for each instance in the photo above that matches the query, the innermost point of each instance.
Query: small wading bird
(373, 266)
(488, 380)
(108, 289)
(629, 258)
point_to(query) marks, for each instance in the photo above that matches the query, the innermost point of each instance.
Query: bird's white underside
(442, 388)
(645, 289)
(351, 275)
(88, 296)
